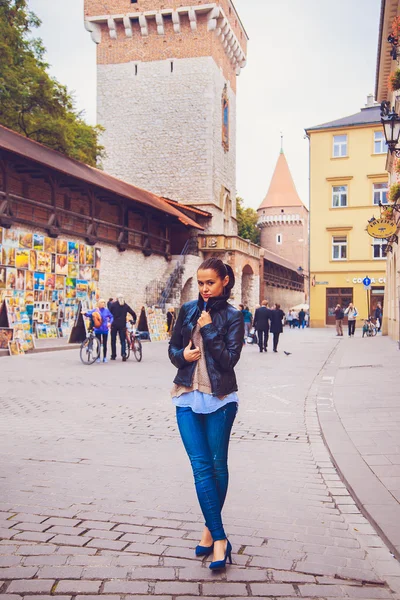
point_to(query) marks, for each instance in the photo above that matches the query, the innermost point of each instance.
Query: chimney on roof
(370, 101)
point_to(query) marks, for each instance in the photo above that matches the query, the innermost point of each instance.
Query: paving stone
(222, 589)
(106, 572)
(368, 592)
(25, 586)
(62, 522)
(177, 588)
(106, 544)
(126, 587)
(60, 530)
(18, 572)
(10, 561)
(126, 528)
(106, 535)
(76, 587)
(272, 589)
(61, 572)
(68, 540)
(28, 536)
(44, 597)
(40, 560)
(74, 550)
(156, 573)
(28, 527)
(102, 525)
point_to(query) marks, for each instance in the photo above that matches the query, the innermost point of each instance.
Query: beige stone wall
(171, 148)
(294, 232)
(286, 298)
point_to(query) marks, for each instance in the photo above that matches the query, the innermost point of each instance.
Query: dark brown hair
(222, 270)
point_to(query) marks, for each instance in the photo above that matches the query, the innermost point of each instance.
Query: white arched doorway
(247, 285)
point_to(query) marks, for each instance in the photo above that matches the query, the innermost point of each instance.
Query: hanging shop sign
(381, 228)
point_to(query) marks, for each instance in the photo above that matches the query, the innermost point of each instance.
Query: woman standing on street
(205, 346)
(352, 314)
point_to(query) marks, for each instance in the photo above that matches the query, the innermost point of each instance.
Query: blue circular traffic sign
(367, 281)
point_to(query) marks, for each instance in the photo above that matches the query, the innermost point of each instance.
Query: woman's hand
(205, 319)
(191, 355)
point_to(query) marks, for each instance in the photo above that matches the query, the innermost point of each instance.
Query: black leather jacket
(223, 343)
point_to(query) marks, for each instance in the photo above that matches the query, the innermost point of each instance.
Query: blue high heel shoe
(204, 550)
(221, 564)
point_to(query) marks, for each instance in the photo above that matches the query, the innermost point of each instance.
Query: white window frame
(342, 195)
(340, 146)
(380, 191)
(279, 238)
(340, 245)
(379, 139)
(380, 244)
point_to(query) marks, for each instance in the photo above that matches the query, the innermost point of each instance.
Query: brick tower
(283, 218)
(167, 97)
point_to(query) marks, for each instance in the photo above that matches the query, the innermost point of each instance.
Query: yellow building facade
(347, 182)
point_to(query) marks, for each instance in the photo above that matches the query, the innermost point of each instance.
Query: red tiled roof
(31, 150)
(282, 191)
(188, 207)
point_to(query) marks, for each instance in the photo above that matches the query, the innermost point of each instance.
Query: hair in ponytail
(222, 270)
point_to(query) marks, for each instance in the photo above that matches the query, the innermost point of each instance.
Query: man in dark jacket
(119, 310)
(261, 324)
(276, 324)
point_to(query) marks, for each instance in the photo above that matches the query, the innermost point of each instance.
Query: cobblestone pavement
(97, 495)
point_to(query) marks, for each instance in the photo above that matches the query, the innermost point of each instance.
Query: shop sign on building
(381, 228)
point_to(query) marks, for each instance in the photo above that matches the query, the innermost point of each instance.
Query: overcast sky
(309, 61)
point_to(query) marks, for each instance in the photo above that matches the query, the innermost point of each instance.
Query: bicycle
(134, 344)
(90, 349)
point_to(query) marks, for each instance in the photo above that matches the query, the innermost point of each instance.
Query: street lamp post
(391, 127)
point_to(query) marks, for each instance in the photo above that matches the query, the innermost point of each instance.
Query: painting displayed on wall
(43, 279)
(6, 336)
(38, 241)
(15, 348)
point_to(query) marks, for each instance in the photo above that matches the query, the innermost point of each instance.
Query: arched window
(225, 119)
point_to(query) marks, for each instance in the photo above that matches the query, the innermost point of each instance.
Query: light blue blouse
(202, 403)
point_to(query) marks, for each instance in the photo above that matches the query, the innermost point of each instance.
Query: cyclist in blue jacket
(101, 330)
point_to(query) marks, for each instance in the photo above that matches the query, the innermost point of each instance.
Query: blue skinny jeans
(206, 441)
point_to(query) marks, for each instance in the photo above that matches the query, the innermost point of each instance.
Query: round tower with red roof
(283, 218)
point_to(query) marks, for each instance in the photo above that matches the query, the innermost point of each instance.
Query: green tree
(33, 103)
(247, 222)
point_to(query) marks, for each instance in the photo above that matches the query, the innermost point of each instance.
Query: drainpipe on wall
(309, 224)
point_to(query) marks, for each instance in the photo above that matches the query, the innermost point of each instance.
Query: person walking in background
(205, 347)
(261, 325)
(289, 319)
(119, 310)
(339, 316)
(110, 301)
(307, 319)
(295, 320)
(171, 320)
(102, 320)
(302, 316)
(352, 314)
(276, 317)
(378, 316)
(247, 318)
